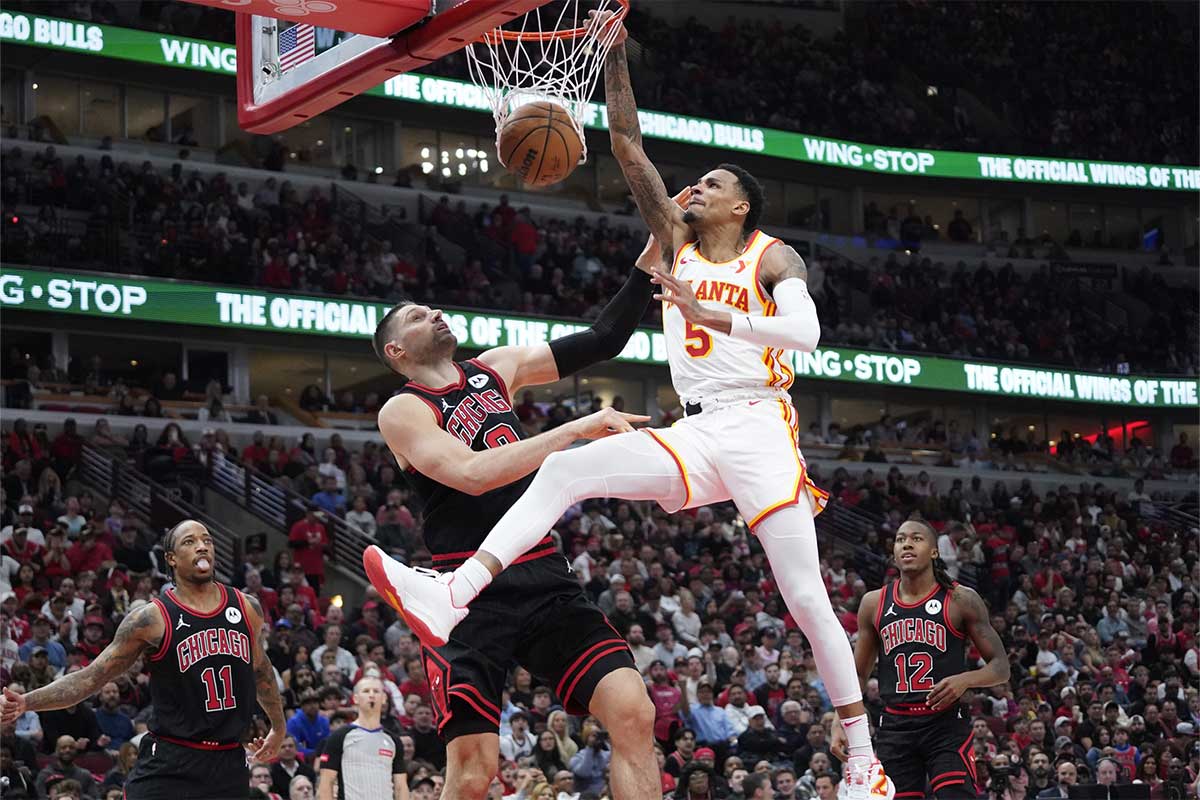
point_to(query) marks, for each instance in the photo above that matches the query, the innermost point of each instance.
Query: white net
(551, 54)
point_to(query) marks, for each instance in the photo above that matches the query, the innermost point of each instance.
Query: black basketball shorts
(536, 615)
(936, 753)
(168, 771)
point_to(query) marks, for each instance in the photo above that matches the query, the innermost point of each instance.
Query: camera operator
(591, 763)
(1009, 781)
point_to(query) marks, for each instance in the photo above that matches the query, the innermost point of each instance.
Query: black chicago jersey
(534, 613)
(926, 753)
(917, 648)
(202, 676)
(476, 410)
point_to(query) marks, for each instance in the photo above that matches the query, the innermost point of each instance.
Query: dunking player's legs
(789, 538)
(629, 466)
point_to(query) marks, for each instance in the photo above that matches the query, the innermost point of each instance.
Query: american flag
(296, 45)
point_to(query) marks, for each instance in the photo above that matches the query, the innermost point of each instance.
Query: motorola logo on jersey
(910, 630)
(472, 410)
(212, 642)
(478, 381)
(233, 615)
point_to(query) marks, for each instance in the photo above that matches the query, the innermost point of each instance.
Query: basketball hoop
(544, 57)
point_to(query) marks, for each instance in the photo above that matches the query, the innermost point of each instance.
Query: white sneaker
(422, 596)
(865, 779)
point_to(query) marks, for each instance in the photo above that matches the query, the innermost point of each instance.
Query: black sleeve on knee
(611, 330)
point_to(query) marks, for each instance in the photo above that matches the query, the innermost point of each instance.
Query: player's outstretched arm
(265, 748)
(794, 326)
(412, 433)
(534, 365)
(977, 624)
(662, 216)
(141, 629)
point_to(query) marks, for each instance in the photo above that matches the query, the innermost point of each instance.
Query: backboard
(283, 80)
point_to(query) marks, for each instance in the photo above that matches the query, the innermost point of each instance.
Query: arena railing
(281, 508)
(164, 507)
(845, 528)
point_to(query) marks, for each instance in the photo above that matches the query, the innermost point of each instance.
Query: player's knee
(641, 716)
(629, 717)
(467, 758)
(561, 474)
(470, 780)
(808, 601)
(555, 467)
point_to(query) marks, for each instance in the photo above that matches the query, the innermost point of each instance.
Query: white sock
(469, 580)
(858, 735)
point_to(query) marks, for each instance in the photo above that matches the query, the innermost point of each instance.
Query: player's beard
(689, 217)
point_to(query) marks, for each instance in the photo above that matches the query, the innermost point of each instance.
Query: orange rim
(546, 36)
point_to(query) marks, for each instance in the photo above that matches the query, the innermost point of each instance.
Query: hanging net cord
(538, 65)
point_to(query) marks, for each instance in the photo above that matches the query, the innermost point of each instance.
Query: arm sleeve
(795, 327)
(611, 330)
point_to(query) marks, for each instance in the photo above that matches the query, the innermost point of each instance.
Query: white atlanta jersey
(706, 362)
(743, 446)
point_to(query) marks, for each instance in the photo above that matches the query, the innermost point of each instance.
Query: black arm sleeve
(611, 330)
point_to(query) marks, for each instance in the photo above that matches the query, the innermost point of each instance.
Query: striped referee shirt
(365, 760)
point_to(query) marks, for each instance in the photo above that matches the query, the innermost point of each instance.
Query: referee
(363, 759)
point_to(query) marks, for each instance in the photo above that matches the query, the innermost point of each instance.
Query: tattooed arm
(976, 623)
(140, 630)
(662, 215)
(266, 748)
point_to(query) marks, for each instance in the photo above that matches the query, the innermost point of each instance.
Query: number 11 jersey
(202, 676)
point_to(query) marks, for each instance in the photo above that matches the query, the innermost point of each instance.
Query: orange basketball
(539, 144)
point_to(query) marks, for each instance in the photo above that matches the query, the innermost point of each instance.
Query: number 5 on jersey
(698, 342)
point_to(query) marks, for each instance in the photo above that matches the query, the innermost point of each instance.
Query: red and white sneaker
(865, 779)
(422, 596)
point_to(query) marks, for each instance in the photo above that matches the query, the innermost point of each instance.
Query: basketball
(539, 144)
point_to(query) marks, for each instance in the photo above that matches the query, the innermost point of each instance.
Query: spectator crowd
(184, 225)
(1034, 66)
(1094, 597)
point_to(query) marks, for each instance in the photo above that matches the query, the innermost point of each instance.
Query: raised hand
(599, 23)
(679, 294)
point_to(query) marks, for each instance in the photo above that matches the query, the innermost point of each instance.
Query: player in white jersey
(735, 301)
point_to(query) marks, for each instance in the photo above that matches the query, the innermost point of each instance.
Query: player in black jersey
(453, 430)
(917, 629)
(207, 668)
